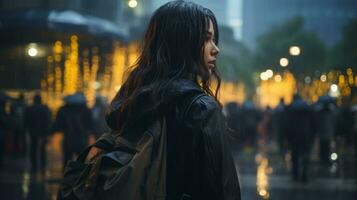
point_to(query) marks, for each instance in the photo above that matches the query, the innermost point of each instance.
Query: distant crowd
(74, 119)
(293, 128)
(296, 128)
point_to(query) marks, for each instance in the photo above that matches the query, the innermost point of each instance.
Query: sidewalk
(269, 178)
(261, 177)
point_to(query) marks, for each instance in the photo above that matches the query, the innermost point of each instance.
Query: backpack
(132, 169)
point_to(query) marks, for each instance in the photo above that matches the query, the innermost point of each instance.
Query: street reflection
(25, 184)
(263, 172)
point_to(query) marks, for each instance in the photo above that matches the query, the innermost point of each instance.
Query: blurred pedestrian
(74, 120)
(99, 112)
(234, 122)
(17, 118)
(279, 127)
(345, 121)
(354, 130)
(250, 123)
(38, 124)
(265, 128)
(300, 136)
(326, 121)
(4, 125)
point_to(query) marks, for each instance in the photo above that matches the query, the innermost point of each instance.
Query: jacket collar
(172, 94)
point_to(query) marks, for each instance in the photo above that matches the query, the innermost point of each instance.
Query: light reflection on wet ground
(18, 182)
(263, 171)
(263, 175)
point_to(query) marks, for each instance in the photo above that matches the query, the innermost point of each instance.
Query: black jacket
(300, 124)
(38, 120)
(75, 121)
(199, 159)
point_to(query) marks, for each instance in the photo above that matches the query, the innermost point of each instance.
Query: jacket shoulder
(201, 109)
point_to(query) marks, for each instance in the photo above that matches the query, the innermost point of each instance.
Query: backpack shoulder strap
(106, 141)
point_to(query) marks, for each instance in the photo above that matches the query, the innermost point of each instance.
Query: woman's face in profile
(210, 48)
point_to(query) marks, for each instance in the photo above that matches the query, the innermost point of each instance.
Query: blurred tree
(238, 67)
(234, 60)
(275, 44)
(344, 54)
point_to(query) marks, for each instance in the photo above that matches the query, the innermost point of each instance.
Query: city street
(261, 177)
(276, 79)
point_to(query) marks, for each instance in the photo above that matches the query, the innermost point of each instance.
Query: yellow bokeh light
(284, 62)
(264, 76)
(262, 192)
(262, 176)
(341, 79)
(294, 50)
(277, 78)
(132, 3)
(232, 92)
(269, 73)
(349, 71)
(323, 78)
(334, 88)
(74, 38)
(32, 52)
(58, 47)
(272, 90)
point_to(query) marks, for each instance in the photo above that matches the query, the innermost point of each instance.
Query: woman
(178, 61)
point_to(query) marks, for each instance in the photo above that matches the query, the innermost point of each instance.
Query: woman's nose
(215, 50)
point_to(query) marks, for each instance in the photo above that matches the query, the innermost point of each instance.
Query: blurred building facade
(218, 7)
(70, 56)
(108, 10)
(17, 35)
(325, 17)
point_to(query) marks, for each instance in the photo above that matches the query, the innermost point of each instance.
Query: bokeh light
(323, 78)
(294, 50)
(284, 62)
(132, 3)
(32, 51)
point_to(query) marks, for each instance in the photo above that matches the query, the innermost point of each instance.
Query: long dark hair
(172, 49)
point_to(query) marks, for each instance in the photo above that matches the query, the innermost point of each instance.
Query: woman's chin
(210, 71)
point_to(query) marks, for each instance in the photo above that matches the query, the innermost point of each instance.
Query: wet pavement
(263, 175)
(268, 177)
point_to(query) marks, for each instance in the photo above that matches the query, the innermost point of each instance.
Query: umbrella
(63, 21)
(75, 99)
(325, 99)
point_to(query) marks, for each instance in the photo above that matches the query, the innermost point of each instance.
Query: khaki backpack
(130, 170)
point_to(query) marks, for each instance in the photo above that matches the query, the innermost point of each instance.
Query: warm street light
(284, 62)
(334, 88)
(269, 73)
(132, 3)
(277, 78)
(334, 156)
(266, 75)
(294, 50)
(334, 92)
(32, 51)
(323, 78)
